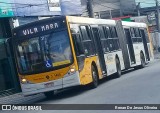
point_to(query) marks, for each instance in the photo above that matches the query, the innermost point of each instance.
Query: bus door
(130, 46)
(145, 41)
(99, 49)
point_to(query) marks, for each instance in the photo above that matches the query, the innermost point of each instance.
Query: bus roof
(83, 20)
(134, 24)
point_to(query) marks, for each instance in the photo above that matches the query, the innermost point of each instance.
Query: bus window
(137, 35)
(132, 32)
(77, 43)
(102, 32)
(136, 32)
(114, 39)
(108, 32)
(133, 35)
(105, 32)
(109, 45)
(87, 40)
(34, 53)
(88, 29)
(85, 32)
(104, 41)
(113, 32)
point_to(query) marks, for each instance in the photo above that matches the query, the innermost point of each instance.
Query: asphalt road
(134, 87)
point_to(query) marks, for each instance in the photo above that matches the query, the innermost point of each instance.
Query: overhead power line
(29, 5)
(19, 3)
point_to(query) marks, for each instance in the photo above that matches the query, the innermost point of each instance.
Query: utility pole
(138, 8)
(157, 10)
(90, 8)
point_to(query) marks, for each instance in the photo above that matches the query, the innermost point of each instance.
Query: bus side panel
(138, 47)
(86, 72)
(111, 64)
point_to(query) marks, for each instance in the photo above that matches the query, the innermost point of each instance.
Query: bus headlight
(23, 81)
(72, 69)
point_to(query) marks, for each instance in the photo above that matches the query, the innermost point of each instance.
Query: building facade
(108, 9)
(128, 7)
(103, 8)
(146, 3)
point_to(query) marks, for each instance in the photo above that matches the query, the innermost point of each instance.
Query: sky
(38, 7)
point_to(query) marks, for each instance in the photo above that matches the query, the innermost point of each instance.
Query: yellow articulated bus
(66, 51)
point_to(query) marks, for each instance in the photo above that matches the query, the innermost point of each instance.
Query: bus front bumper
(67, 81)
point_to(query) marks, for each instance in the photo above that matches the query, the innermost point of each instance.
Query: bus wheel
(142, 61)
(118, 67)
(49, 95)
(94, 84)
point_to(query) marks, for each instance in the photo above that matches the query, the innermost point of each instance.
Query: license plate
(48, 85)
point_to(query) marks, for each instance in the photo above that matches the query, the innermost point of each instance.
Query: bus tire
(95, 77)
(49, 94)
(118, 67)
(143, 62)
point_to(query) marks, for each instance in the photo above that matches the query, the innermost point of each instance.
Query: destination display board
(51, 24)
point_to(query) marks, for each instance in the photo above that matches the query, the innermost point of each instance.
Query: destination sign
(40, 27)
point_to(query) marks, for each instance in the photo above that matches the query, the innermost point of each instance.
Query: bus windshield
(45, 52)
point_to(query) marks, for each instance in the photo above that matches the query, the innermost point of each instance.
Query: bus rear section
(137, 49)
(44, 56)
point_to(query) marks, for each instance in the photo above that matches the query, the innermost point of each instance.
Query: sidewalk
(20, 99)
